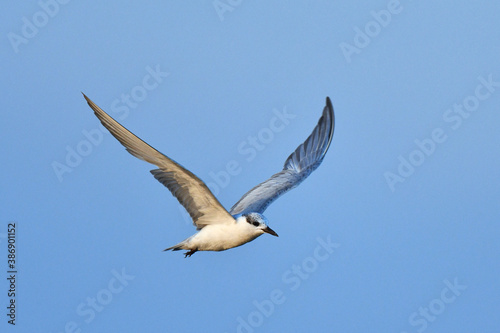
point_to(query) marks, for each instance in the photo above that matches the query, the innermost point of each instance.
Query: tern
(219, 229)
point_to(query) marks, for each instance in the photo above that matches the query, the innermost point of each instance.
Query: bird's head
(258, 222)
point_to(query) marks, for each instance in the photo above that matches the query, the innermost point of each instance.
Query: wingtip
(85, 96)
(329, 106)
(329, 103)
(92, 105)
(329, 109)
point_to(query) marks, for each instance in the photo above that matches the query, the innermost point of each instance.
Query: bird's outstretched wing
(300, 164)
(191, 192)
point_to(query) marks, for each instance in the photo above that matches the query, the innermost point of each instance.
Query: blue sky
(397, 231)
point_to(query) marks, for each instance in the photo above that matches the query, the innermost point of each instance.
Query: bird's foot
(189, 253)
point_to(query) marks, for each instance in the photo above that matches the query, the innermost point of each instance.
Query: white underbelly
(220, 238)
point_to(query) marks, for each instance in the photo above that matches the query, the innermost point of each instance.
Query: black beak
(270, 231)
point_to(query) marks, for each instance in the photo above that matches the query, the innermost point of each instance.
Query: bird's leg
(189, 253)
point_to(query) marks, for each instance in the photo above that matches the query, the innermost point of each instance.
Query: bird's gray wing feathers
(191, 192)
(300, 164)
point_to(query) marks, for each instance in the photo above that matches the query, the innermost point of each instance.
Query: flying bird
(219, 229)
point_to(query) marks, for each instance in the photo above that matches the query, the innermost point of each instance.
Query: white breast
(220, 237)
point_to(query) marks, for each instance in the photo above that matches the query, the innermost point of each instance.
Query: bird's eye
(256, 224)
